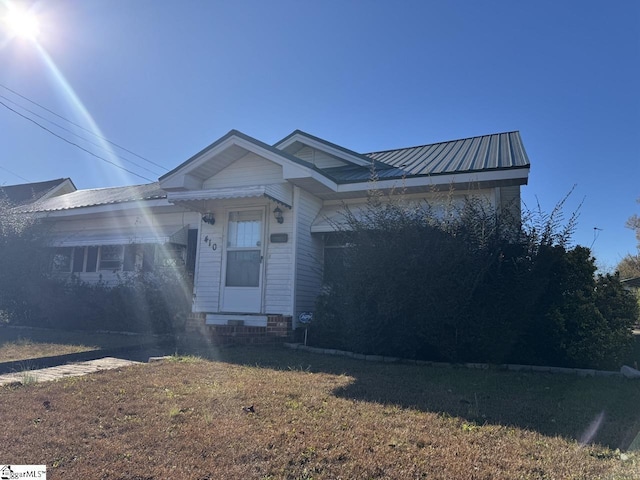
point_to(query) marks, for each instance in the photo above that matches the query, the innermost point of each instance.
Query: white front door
(242, 282)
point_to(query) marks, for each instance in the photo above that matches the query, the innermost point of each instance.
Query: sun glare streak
(590, 432)
(77, 104)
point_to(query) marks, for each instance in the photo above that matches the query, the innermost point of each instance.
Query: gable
(319, 158)
(301, 144)
(208, 163)
(248, 170)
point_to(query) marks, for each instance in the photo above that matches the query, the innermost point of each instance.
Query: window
(335, 245)
(78, 259)
(92, 259)
(148, 257)
(61, 261)
(170, 255)
(111, 257)
(75, 259)
(125, 258)
(129, 263)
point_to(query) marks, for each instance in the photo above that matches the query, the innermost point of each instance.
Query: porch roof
(120, 236)
(277, 192)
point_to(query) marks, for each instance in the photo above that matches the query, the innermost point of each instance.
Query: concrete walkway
(63, 371)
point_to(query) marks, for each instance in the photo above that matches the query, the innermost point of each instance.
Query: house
(25, 193)
(251, 221)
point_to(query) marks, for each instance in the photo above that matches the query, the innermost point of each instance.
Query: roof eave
(516, 175)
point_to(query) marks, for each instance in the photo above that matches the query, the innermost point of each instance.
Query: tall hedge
(468, 285)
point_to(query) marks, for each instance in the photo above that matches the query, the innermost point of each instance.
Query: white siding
(249, 170)
(319, 158)
(278, 260)
(510, 201)
(279, 273)
(206, 290)
(308, 252)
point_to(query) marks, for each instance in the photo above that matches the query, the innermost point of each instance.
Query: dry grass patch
(313, 418)
(29, 343)
(24, 349)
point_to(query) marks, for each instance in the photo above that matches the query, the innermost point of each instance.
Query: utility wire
(75, 134)
(75, 144)
(83, 128)
(14, 173)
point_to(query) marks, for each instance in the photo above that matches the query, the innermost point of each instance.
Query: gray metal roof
(488, 152)
(98, 196)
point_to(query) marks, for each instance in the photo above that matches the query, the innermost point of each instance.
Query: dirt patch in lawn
(269, 413)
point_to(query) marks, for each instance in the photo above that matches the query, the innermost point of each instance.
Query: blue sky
(166, 78)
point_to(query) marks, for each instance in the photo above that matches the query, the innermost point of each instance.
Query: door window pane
(243, 268)
(244, 229)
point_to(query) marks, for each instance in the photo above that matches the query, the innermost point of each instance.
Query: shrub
(142, 302)
(466, 284)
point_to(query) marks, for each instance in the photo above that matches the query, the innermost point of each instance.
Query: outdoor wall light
(209, 218)
(278, 214)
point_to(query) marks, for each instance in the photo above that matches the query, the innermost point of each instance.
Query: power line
(75, 144)
(14, 173)
(79, 136)
(82, 128)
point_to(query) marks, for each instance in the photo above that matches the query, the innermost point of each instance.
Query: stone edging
(582, 372)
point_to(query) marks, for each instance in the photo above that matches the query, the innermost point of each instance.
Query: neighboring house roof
(99, 196)
(631, 282)
(26, 193)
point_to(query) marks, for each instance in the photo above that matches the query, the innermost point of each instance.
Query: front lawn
(321, 417)
(21, 343)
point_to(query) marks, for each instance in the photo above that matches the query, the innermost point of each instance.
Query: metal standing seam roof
(500, 151)
(486, 152)
(98, 196)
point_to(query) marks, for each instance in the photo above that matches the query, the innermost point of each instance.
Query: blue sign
(305, 317)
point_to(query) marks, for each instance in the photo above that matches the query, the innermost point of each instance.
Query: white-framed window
(111, 257)
(85, 259)
(117, 258)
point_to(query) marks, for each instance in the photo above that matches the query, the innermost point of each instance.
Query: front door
(242, 284)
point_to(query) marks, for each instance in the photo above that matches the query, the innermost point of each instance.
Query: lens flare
(22, 23)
